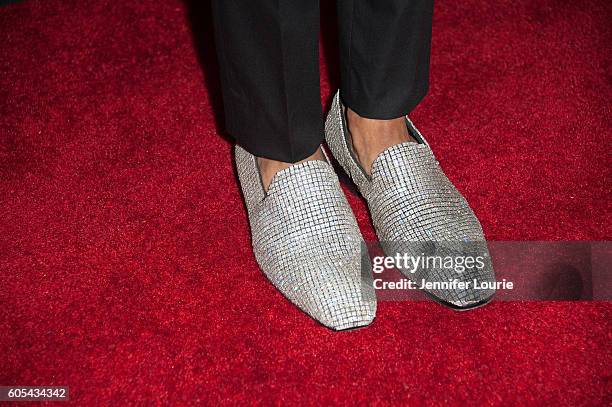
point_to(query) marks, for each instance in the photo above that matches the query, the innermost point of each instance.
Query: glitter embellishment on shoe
(417, 210)
(307, 242)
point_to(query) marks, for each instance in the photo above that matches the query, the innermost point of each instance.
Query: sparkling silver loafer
(307, 242)
(416, 210)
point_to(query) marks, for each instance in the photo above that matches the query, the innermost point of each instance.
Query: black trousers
(269, 58)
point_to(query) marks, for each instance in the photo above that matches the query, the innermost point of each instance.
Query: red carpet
(124, 250)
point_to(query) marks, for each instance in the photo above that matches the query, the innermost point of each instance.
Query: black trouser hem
(377, 110)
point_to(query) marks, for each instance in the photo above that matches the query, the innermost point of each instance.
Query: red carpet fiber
(126, 269)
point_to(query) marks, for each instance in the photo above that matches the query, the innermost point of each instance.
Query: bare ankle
(268, 167)
(370, 137)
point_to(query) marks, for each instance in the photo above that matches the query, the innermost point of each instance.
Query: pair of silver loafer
(307, 242)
